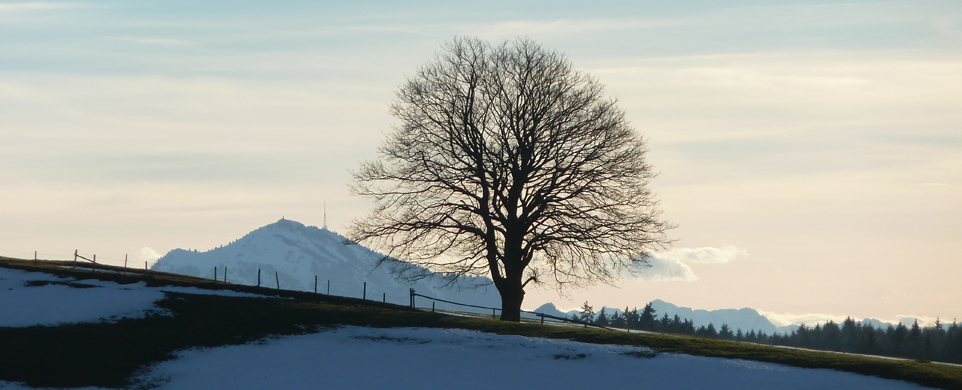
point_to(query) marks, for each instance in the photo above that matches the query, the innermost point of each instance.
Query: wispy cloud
(567, 26)
(704, 255)
(149, 254)
(673, 265)
(153, 41)
(32, 6)
(667, 270)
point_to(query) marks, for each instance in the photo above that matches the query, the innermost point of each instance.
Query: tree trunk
(512, 295)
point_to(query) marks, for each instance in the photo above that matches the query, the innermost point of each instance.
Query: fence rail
(494, 310)
(344, 291)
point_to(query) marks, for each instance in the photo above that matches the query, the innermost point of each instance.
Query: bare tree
(510, 163)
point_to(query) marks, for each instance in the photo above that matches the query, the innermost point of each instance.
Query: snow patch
(36, 298)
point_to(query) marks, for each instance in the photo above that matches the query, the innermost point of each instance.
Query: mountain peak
(297, 254)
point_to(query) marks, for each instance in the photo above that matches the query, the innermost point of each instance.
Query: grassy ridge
(111, 354)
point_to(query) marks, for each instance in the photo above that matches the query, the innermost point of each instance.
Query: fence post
(225, 274)
(432, 306)
(384, 297)
(145, 265)
(125, 263)
(364, 293)
(34, 258)
(258, 277)
(215, 273)
(329, 287)
(94, 267)
(412, 298)
(493, 314)
(277, 280)
(315, 284)
(542, 318)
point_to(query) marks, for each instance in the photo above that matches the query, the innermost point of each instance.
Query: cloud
(149, 254)
(569, 26)
(667, 269)
(703, 255)
(673, 265)
(153, 41)
(31, 6)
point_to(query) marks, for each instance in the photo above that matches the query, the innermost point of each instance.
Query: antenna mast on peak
(325, 215)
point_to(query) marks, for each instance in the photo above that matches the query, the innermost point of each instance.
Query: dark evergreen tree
(870, 340)
(617, 320)
(688, 327)
(632, 318)
(664, 324)
(725, 332)
(587, 313)
(915, 347)
(849, 335)
(899, 340)
(831, 338)
(602, 319)
(647, 319)
(710, 331)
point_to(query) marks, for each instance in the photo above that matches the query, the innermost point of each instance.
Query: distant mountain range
(745, 319)
(291, 254)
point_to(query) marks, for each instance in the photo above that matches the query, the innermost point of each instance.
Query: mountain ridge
(289, 255)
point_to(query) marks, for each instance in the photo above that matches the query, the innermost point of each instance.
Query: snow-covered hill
(291, 254)
(353, 357)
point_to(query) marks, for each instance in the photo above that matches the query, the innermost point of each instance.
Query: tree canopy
(506, 161)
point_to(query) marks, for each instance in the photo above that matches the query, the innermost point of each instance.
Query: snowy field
(398, 358)
(417, 358)
(36, 298)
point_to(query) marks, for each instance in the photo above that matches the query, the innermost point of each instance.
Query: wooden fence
(413, 295)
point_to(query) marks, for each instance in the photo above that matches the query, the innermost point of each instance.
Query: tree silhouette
(587, 313)
(509, 162)
(602, 319)
(647, 319)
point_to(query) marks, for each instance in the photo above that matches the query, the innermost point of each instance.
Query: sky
(810, 152)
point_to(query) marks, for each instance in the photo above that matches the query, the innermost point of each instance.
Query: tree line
(940, 342)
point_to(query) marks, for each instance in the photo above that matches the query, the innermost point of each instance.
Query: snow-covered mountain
(291, 254)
